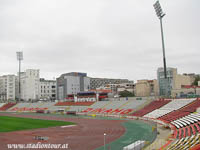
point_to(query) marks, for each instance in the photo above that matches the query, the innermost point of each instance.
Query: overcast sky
(104, 38)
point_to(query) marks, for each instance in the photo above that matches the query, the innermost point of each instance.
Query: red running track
(87, 135)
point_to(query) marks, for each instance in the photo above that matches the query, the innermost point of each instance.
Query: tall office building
(72, 83)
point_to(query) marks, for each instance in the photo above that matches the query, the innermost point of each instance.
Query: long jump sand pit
(87, 134)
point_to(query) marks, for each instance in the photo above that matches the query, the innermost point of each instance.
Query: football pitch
(8, 124)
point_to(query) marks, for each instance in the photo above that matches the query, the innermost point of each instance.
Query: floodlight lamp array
(19, 55)
(158, 10)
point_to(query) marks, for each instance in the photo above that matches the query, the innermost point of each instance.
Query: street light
(160, 15)
(19, 58)
(104, 141)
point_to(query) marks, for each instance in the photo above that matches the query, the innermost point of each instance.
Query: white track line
(68, 126)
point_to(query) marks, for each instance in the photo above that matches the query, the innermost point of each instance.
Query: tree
(197, 78)
(126, 94)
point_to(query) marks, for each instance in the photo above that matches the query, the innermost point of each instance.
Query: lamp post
(19, 58)
(104, 141)
(160, 15)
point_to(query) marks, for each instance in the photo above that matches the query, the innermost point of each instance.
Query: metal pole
(104, 141)
(19, 80)
(163, 47)
(164, 59)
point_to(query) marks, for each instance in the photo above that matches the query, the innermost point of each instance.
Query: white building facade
(47, 89)
(30, 82)
(8, 87)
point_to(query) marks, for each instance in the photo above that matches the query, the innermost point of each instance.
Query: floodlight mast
(19, 58)
(160, 15)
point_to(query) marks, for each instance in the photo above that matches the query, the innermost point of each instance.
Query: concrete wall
(147, 88)
(181, 80)
(142, 88)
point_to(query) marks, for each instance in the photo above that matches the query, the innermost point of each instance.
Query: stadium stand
(1, 104)
(7, 106)
(114, 107)
(150, 107)
(185, 143)
(71, 106)
(181, 112)
(32, 106)
(77, 108)
(171, 106)
(74, 103)
(187, 126)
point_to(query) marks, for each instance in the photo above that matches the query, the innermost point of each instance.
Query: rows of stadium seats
(32, 106)
(185, 143)
(186, 126)
(181, 112)
(1, 104)
(150, 107)
(133, 104)
(74, 103)
(7, 106)
(77, 108)
(69, 108)
(100, 104)
(114, 107)
(171, 106)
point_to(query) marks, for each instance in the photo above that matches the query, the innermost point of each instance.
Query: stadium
(85, 123)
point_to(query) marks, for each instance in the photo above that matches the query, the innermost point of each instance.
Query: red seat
(175, 133)
(180, 132)
(189, 131)
(197, 126)
(193, 129)
(184, 132)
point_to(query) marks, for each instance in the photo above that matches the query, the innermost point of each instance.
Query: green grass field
(8, 124)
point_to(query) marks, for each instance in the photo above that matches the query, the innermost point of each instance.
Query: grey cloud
(107, 38)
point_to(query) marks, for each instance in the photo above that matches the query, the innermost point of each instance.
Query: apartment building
(8, 87)
(47, 89)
